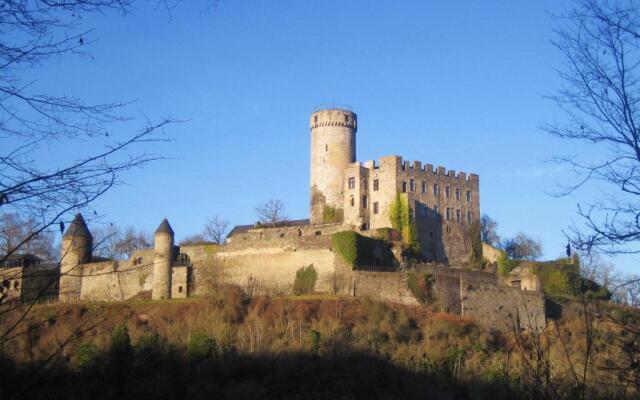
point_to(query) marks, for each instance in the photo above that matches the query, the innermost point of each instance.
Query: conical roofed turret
(77, 228)
(164, 227)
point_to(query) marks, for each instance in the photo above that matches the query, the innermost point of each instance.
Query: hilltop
(317, 346)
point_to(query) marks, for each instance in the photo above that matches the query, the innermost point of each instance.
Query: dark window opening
(179, 289)
(375, 184)
(364, 201)
(318, 233)
(352, 183)
(375, 207)
(404, 187)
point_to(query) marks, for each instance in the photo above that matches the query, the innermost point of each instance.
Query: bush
(200, 346)
(561, 277)
(87, 355)
(505, 264)
(305, 280)
(315, 341)
(120, 348)
(420, 284)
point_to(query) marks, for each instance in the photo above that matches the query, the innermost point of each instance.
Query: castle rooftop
(78, 228)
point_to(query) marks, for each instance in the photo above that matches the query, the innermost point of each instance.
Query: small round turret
(333, 148)
(76, 249)
(163, 255)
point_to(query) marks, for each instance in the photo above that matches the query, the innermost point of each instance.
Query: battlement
(417, 166)
(334, 117)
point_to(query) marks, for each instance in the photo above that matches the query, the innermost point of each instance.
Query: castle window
(436, 189)
(315, 119)
(424, 187)
(346, 118)
(435, 211)
(326, 147)
(352, 202)
(404, 187)
(458, 194)
(375, 185)
(412, 185)
(448, 213)
(352, 183)
(422, 210)
(468, 195)
(447, 192)
(458, 216)
(375, 207)
(364, 201)
(365, 183)
(469, 217)
(179, 289)
(318, 233)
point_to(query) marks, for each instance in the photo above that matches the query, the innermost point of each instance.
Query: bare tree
(271, 212)
(522, 247)
(16, 235)
(489, 230)
(600, 42)
(197, 238)
(215, 229)
(34, 126)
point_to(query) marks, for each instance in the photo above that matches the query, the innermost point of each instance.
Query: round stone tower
(76, 249)
(333, 148)
(163, 255)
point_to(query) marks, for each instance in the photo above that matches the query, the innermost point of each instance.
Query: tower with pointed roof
(163, 255)
(76, 249)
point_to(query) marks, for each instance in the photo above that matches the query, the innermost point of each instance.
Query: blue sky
(457, 84)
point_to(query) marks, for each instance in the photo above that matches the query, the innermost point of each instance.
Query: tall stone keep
(76, 249)
(333, 148)
(163, 255)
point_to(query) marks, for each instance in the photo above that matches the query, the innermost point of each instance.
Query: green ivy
(356, 249)
(560, 277)
(346, 245)
(400, 216)
(505, 264)
(331, 214)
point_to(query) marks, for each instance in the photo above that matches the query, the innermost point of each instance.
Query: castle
(345, 196)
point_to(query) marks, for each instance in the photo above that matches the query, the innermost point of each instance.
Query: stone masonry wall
(503, 307)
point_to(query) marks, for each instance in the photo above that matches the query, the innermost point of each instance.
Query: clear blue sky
(457, 84)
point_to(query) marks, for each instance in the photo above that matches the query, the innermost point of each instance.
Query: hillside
(230, 346)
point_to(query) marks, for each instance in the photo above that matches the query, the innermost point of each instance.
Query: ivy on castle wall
(401, 220)
(346, 245)
(331, 214)
(356, 249)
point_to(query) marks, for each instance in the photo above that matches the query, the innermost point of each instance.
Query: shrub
(315, 341)
(120, 348)
(87, 355)
(200, 346)
(305, 280)
(505, 264)
(420, 284)
(561, 277)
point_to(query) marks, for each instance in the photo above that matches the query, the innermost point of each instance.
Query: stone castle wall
(444, 203)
